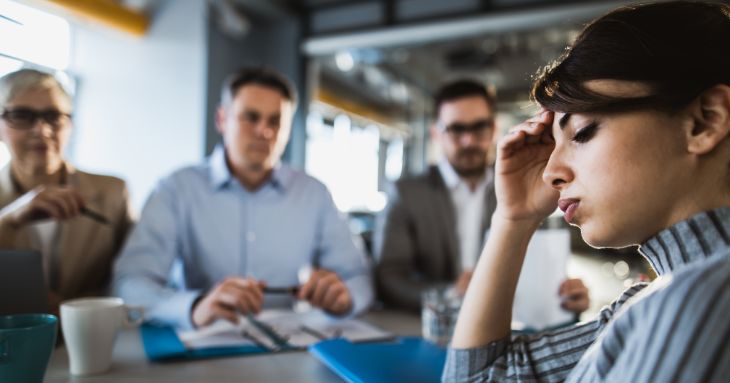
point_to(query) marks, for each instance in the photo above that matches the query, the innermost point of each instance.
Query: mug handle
(133, 316)
(4, 350)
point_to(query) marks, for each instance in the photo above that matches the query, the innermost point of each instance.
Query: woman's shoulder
(694, 289)
(679, 320)
(708, 274)
(100, 181)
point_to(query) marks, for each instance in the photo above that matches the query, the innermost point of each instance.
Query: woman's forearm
(486, 313)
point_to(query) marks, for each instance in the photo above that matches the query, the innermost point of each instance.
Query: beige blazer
(84, 250)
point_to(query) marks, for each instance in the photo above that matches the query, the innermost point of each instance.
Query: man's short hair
(461, 89)
(257, 76)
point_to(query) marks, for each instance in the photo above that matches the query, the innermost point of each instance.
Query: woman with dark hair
(633, 146)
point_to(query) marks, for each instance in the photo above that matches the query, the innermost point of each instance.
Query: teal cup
(26, 343)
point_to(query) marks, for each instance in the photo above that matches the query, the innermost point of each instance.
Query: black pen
(94, 215)
(255, 340)
(279, 340)
(292, 290)
(313, 332)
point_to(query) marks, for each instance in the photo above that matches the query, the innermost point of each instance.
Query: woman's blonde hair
(22, 80)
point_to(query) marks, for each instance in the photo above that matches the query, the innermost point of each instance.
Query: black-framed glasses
(478, 128)
(26, 118)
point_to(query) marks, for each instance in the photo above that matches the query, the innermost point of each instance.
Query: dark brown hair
(258, 76)
(462, 89)
(679, 49)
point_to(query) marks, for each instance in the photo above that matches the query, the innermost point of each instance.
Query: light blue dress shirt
(200, 226)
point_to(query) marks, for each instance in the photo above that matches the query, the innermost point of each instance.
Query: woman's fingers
(61, 200)
(518, 138)
(536, 130)
(59, 203)
(46, 208)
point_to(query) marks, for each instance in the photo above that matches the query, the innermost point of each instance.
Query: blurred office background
(146, 75)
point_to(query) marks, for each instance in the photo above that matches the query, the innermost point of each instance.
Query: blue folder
(161, 343)
(407, 359)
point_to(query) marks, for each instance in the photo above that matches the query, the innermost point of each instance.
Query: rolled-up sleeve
(543, 357)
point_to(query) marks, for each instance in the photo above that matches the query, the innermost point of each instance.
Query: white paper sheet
(537, 303)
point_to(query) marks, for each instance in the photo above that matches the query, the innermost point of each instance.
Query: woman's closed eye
(586, 133)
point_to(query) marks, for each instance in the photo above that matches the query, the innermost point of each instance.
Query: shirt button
(251, 236)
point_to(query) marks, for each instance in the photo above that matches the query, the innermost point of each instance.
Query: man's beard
(474, 170)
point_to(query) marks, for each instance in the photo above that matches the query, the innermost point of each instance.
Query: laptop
(22, 284)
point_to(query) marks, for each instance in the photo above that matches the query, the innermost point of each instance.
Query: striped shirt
(675, 329)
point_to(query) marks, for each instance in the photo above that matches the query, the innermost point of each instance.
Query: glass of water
(440, 309)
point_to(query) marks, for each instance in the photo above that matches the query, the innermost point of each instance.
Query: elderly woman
(77, 220)
(633, 146)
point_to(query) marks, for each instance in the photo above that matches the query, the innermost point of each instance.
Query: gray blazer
(416, 243)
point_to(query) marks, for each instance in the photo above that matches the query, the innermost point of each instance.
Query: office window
(30, 35)
(8, 65)
(32, 38)
(345, 157)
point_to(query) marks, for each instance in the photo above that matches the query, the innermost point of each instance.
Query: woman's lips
(569, 206)
(38, 147)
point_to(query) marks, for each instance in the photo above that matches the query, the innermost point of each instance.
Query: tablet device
(22, 285)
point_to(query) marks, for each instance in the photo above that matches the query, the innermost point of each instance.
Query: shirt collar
(704, 235)
(221, 176)
(451, 178)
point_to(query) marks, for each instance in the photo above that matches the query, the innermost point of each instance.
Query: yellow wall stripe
(107, 12)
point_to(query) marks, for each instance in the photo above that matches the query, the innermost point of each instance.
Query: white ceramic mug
(90, 327)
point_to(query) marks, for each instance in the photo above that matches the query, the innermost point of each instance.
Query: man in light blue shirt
(242, 224)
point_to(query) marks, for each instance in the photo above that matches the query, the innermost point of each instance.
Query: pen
(255, 340)
(292, 290)
(281, 341)
(313, 332)
(94, 215)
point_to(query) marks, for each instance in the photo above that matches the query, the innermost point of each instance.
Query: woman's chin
(600, 240)
(44, 165)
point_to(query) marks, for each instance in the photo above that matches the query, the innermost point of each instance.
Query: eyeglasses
(478, 128)
(26, 118)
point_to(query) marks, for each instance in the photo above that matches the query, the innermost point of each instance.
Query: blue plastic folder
(161, 343)
(407, 359)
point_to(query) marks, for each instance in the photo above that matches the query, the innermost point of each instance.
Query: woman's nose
(557, 172)
(43, 127)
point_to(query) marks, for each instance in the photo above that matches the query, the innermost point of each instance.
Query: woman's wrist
(518, 224)
(8, 219)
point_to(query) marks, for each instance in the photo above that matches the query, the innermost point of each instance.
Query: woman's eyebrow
(564, 120)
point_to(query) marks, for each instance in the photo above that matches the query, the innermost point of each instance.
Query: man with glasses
(242, 231)
(433, 229)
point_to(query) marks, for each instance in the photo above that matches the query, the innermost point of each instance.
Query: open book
(276, 330)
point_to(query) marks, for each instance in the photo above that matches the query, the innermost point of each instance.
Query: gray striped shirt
(675, 329)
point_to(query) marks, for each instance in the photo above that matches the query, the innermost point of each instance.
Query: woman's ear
(711, 120)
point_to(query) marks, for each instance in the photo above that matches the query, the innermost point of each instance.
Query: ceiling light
(344, 60)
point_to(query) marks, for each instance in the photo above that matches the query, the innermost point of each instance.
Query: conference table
(131, 365)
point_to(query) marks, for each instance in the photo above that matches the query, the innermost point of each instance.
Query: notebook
(270, 331)
(405, 359)
(22, 285)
